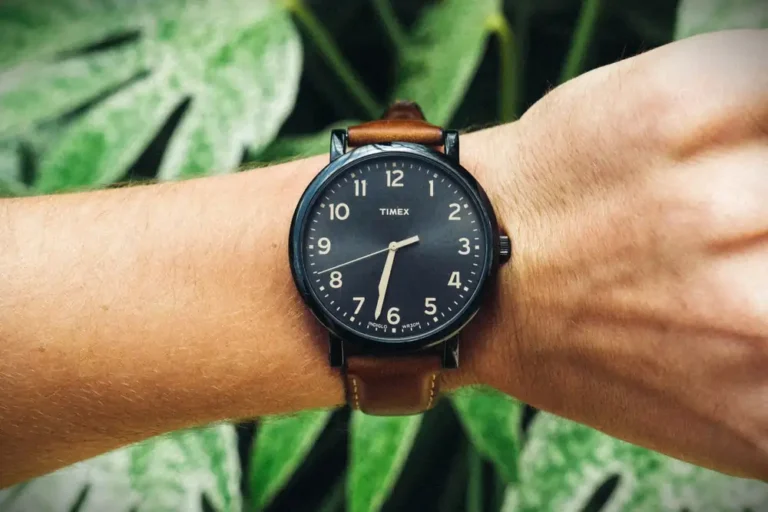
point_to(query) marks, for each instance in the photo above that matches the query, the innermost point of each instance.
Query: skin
(635, 301)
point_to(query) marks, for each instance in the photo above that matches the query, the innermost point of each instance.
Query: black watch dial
(395, 247)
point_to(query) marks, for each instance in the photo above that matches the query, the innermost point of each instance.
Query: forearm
(131, 312)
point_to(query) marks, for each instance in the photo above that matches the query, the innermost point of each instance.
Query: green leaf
(98, 149)
(511, 499)
(35, 92)
(443, 53)
(701, 16)
(281, 445)
(10, 162)
(10, 170)
(563, 463)
(12, 188)
(242, 90)
(166, 473)
(378, 451)
(37, 31)
(492, 422)
(237, 62)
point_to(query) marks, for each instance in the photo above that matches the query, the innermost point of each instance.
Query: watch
(393, 247)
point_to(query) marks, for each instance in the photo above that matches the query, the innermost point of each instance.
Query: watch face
(394, 247)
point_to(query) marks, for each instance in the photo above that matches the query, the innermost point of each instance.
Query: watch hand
(353, 261)
(402, 243)
(406, 242)
(384, 281)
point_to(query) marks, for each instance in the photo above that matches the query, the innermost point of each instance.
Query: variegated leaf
(700, 16)
(166, 473)
(234, 63)
(564, 463)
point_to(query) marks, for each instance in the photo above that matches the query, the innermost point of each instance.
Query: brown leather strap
(402, 122)
(393, 386)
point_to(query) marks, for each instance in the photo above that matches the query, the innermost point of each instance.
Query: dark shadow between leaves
(146, 165)
(205, 503)
(92, 102)
(80, 501)
(602, 494)
(526, 419)
(108, 43)
(28, 162)
(320, 471)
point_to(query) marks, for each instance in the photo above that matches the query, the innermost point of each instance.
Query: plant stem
(582, 37)
(475, 480)
(391, 24)
(508, 63)
(328, 49)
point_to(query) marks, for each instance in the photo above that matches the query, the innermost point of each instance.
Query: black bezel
(373, 344)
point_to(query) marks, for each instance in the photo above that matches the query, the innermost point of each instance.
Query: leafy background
(97, 92)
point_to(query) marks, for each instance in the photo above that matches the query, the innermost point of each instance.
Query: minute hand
(354, 260)
(398, 245)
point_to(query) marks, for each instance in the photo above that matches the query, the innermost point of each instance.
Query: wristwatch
(393, 246)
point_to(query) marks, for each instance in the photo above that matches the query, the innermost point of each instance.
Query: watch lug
(451, 144)
(451, 353)
(338, 143)
(336, 352)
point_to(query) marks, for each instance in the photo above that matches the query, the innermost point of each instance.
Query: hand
(639, 283)
(384, 281)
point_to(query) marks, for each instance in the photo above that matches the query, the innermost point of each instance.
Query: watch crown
(505, 248)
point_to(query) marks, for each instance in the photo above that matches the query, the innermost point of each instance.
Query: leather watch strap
(402, 122)
(394, 385)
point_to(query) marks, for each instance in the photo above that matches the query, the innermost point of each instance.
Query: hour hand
(408, 241)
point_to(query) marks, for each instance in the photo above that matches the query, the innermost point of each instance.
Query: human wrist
(481, 157)
(491, 342)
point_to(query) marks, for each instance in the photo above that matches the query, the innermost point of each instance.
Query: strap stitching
(432, 391)
(354, 392)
